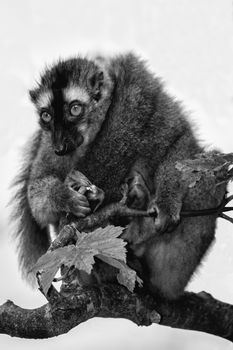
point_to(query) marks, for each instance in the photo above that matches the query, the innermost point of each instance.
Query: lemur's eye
(75, 109)
(46, 117)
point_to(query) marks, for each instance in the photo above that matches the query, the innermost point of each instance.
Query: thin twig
(226, 217)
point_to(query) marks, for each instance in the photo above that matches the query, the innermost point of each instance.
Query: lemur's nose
(61, 149)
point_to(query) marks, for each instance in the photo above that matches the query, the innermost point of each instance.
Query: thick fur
(128, 118)
(33, 240)
(142, 122)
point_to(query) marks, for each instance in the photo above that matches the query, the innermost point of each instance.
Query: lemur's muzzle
(67, 146)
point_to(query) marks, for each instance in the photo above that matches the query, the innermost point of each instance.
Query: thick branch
(193, 311)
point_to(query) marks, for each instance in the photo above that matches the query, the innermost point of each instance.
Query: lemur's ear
(95, 83)
(33, 95)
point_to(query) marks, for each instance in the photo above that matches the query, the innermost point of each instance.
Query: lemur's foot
(164, 221)
(138, 194)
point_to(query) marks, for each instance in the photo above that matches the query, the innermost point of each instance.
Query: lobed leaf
(103, 242)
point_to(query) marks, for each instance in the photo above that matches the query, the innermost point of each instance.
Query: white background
(189, 44)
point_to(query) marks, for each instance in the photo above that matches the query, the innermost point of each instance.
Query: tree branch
(199, 312)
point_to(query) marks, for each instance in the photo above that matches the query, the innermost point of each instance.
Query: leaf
(106, 241)
(211, 165)
(49, 263)
(81, 256)
(126, 276)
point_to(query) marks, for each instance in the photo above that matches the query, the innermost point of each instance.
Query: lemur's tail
(32, 240)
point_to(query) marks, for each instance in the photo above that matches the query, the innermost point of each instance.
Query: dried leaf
(213, 166)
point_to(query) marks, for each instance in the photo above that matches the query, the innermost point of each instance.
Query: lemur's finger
(82, 190)
(82, 211)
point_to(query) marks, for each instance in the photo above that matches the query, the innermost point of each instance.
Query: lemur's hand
(86, 196)
(78, 203)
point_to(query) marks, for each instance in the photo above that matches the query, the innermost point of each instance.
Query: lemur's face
(68, 99)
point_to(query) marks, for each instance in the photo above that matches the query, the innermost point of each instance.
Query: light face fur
(44, 100)
(75, 93)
